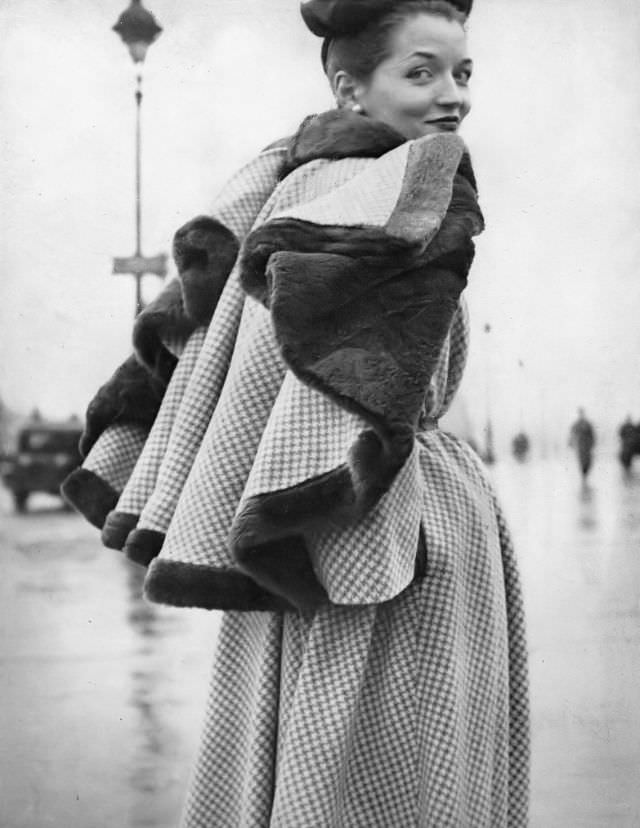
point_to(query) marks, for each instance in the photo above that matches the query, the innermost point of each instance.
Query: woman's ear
(345, 90)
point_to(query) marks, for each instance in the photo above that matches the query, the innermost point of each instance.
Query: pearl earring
(356, 107)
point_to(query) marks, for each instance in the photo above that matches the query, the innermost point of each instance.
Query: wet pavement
(102, 694)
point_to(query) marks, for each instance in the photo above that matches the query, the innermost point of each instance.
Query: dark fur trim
(339, 133)
(190, 585)
(370, 247)
(263, 538)
(131, 396)
(90, 495)
(373, 351)
(162, 320)
(205, 251)
(116, 529)
(266, 550)
(463, 220)
(143, 545)
(466, 171)
(284, 568)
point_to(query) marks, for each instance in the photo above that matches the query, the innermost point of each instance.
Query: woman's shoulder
(280, 145)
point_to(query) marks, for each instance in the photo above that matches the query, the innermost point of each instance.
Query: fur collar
(339, 133)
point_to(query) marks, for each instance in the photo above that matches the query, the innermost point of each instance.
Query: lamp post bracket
(139, 265)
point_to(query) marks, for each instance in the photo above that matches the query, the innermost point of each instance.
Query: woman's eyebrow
(430, 56)
(420, 53)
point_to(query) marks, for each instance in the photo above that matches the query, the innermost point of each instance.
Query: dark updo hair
(359, 54)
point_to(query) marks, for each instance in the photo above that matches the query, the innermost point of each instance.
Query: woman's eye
(463, 76)
(420, 74)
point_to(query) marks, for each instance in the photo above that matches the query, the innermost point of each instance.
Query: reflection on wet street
(102, 694)
(579, 548)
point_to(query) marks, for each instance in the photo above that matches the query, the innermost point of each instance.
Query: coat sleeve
(205, 250)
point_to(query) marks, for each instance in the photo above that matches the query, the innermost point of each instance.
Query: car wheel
(20, 501)
(625, 459)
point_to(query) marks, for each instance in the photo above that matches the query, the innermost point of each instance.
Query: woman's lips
(445, 124)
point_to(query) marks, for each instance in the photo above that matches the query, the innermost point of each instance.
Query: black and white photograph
(320, 414)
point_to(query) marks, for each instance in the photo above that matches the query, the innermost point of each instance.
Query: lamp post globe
(138, 29)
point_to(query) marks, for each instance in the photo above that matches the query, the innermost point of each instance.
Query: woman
(371, 669)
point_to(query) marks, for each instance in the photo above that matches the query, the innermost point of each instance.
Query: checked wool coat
(371, 664)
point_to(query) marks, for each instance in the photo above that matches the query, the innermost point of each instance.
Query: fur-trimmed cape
(361, 283)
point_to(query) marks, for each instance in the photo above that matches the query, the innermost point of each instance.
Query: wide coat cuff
(205, 251)
(131, 396)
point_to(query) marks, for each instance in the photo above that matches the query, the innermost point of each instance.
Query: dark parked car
(46, 452)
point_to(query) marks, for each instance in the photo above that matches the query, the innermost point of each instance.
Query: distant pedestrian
(627, 430)
(629, 434)
(582, 439)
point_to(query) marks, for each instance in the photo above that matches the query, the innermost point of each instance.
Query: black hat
(332, 18)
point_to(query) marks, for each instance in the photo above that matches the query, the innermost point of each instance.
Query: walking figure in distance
(582, 439)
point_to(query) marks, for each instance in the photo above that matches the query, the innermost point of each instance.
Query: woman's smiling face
(422, 86)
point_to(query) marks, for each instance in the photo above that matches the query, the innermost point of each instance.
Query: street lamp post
(138, 29)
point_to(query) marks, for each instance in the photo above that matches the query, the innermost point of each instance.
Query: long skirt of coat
(407, 713)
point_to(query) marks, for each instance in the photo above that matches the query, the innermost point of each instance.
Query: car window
(49, 441)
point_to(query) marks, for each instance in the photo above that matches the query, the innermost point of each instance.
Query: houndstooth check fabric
(458, 348)
(519, 729)
(408, 713)
(114, 454)
(142, 481)
(208, 499)
(194, 412)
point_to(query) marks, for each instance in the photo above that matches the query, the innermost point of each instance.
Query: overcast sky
(554, 134)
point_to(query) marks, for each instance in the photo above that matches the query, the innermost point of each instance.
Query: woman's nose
(449, 91)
